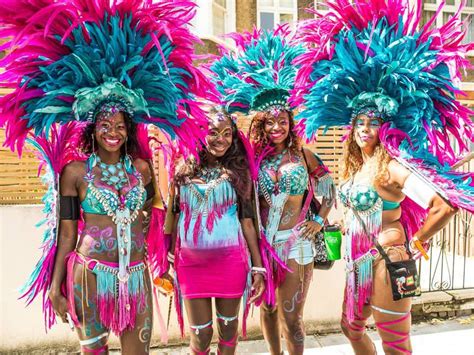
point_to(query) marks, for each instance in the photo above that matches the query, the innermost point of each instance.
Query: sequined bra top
(293, 179)
(363, 197)
(97, 196)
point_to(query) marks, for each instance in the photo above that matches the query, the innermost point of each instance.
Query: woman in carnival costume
(258, 78)
(371, 65)
(214, 248)
(109, 65)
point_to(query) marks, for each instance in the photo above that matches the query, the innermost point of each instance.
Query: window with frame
(271, 13)
(219, 16)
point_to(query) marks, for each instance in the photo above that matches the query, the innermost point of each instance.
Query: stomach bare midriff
(98, 239)
(392, 232)
(290, 215)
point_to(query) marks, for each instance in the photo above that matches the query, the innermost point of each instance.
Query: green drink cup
(333, 240)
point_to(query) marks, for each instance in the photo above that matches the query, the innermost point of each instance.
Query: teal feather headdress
(375, 57)
(367, 55)
(70, 60)
(259, 75)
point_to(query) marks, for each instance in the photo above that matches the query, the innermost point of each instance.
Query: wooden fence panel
(19, 183)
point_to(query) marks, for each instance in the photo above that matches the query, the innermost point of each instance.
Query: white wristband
(257, 269)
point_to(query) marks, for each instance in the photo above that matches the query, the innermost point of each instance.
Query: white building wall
(203, 22)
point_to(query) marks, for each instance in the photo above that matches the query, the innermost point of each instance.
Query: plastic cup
(333, 240)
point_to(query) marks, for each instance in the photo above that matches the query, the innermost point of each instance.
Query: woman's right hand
(59, 303)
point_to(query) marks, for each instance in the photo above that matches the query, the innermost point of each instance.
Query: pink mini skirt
(220, 273)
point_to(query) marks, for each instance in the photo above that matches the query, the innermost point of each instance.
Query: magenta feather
(54, 154)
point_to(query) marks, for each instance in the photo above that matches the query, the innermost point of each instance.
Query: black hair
(234, 160)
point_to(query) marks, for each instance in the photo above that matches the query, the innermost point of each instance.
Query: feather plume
(65, 54)
(54, 154)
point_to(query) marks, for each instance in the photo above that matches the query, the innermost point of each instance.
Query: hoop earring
(291, 142)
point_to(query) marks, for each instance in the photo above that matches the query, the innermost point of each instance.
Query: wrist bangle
(170, 257)
(258, 270)
(319, 220)
(421, 241)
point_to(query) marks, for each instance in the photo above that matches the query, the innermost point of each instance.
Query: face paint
(145, 332)
(100, 241)
(287, 216)
(290, 305)
(366, 131)
(111, 132)
(372, 123)
(219, 137)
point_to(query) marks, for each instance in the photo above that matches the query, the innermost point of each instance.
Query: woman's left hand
(309, 229)
(258, 287)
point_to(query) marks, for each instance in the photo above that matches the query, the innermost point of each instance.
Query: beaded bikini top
(293, 179)
(364, 198)
(101, 200)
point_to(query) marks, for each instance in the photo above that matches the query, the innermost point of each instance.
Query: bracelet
(170, 257)
(319, 220)
(258, 270)
(415, 238)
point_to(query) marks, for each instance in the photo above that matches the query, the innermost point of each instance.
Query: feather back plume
(65, 58)
(259, 74)
(455, 187)
(54, 154)
(380, 47)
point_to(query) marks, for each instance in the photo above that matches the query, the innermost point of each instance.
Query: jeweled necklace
(273, 162)
(208, 174)
(112, 174)
(266, 184)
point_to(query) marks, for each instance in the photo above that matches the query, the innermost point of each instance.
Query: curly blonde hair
(260, 138)
(352, 159)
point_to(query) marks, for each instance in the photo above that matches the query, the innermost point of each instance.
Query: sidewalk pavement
(437, 337)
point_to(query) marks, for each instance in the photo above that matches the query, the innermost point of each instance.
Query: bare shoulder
(312, 159)
(74, 169)
(143, 168)
(398, 173)
(70, 176)
(142, 165)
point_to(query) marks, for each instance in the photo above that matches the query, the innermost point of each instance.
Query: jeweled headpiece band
(109, 108)
(369, 111)
(374, 105)
(272, 100)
